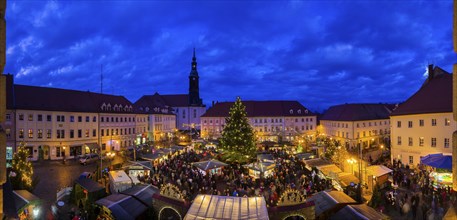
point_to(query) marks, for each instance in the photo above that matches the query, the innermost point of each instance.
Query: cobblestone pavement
(54, 175)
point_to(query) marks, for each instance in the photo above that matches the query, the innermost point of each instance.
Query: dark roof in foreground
(123, 206)
(261, 109)
(361, 212)
(435, 96)
(143, 193)
(358, 112)
(89, 184)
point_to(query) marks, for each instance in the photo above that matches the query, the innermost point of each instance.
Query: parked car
(89, 158)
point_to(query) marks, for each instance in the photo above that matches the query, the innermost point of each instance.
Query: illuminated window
(421, 141)
(40, 133)
(447, 122)
(30, 133)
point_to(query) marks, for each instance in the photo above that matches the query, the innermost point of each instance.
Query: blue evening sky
(320, 53)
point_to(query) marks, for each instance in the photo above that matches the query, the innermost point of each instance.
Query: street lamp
(352, 161)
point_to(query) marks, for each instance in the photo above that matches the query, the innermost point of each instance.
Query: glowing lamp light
(36, 212)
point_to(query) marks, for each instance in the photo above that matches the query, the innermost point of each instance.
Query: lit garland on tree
(23, 169)
(238, 136)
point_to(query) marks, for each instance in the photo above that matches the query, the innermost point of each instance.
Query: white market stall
(119, 181)
(227, 207)
(260, 169)
(210, 166)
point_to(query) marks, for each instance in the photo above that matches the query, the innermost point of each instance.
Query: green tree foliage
(238, 136)
(23, 170)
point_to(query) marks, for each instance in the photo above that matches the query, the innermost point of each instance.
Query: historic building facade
(423, 124)
(271, 120)
(353, 125)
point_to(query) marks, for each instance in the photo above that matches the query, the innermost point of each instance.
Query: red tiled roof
(261, 109)
(358, 112)
(54, 99)
(435, 96)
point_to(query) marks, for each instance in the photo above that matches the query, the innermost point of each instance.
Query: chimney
(431, 73)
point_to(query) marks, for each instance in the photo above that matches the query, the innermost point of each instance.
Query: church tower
(194, 94)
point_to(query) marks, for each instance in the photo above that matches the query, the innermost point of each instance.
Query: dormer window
(291, 111)
(306, 111)
(108, 107)
(299, 111)
(147, 109)
(141, 108)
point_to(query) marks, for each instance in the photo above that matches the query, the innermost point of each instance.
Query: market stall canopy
(143, 164)
(316, 162)
(328, 169)
(362, 212)
(209, 164)
(177, 148)
(164, 151)
(265, 158)
(378, 170)
(89, 185)
(327, 200)
(92, 146)
(438, 161)
(123, 206)
(227, 207)
(305, 156)
(154, 156)
(260, 166)
(144, 193)
(347, 178)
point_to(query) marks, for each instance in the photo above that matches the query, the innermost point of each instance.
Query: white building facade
(423, 124)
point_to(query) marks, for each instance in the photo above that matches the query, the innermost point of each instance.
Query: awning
(227, 207)
(378, 170)
(210, 164)
(123, 206)
(438, 161)
(361, 212)
(327, 200)
(328, 169)
(92, 146)
(89, 184)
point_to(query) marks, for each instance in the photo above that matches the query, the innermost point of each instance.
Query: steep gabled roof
(177, 100)
(261, 109)
(435, 96)
(358, 112)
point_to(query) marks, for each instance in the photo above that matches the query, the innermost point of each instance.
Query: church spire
(194, 71)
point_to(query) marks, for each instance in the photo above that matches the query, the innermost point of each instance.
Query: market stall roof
(177, 148)
(346, 179)
(326, 200)
(327, 169)
(164, 151)
(89, 184)
(305, 156)
(144, 164)
(144, 193)
(265, 158)
(119, 176)
(227, 207)
(123, 206)
(209, 164)
(378, 170)
(362, 212)
(152, 157)
(438, 161)
(260, 166)
(316, 162)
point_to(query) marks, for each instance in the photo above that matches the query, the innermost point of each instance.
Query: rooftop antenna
(101, 78)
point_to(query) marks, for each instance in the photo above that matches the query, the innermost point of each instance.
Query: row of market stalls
(376, 174)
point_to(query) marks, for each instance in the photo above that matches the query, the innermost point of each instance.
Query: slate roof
(261, 109)
(325, 201)
(142, 193)
(358, 112)
(55, 99)
(123, 206)
(153, 104)
(89, 184)
(177, 100)
(435, 96)
(362, 212)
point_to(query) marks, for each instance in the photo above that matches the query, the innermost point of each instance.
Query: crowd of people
(234, 179)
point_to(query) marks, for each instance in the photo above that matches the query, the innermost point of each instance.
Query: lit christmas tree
(238, 136)
(23, 169)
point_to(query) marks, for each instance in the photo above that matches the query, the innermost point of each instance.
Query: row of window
(194, 114)
(61, 118)
(433, 142)
(60, 133)
(116, 131)
(358, 125)
(447, 122)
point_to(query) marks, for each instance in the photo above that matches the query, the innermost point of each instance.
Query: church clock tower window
(194, 90)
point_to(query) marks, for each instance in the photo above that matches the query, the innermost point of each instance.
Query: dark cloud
(319, 53)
